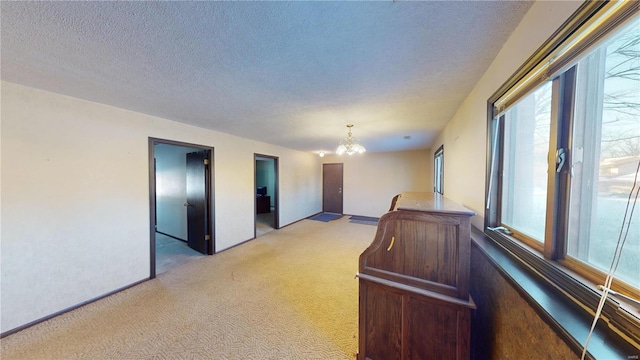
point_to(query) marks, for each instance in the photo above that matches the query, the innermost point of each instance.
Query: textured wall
(171, 189)
(75, 204)
(464, 137)
(504, 326)
(371, 180)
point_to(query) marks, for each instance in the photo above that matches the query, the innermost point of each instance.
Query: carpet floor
(171, 253)
(265, 223)
(290, 294)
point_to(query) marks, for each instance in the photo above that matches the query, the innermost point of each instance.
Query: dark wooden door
(332, 188)
(197, 195)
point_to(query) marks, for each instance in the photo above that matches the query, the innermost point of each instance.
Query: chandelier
(350, 145)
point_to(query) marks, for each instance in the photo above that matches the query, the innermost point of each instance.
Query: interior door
(332, 188)
(197, 208)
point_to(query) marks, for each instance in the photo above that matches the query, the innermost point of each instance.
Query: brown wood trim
(276, 191)
(525, 239)
(253, 238)
(430, 294)
(550, 238)
(210, 180)
(179, 143)
(557, 247)
(606, 25)
(361, 316)
(597, 276)
(57, 313)
(565, 314)
(586, 10)
(426, 285)
(152, 209)
(238, 244)
(562, 285)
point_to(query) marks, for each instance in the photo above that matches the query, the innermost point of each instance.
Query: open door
(180, 202)
(266, 186)
(332, 188)
(197, 207)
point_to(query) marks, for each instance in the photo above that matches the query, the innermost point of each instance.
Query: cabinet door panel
(436, 330)
(383, 317)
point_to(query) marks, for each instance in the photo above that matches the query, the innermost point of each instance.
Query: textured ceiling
(287, 73)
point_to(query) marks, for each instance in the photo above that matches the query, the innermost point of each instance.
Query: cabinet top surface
(432, 202)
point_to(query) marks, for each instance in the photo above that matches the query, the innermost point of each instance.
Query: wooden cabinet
(263, 204)
(414, 282)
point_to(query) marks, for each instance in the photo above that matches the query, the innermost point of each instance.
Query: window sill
(570, 321)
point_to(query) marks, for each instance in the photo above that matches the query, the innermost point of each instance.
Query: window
(606, 152)
(526, 143)
(564, 156)
(438, 170)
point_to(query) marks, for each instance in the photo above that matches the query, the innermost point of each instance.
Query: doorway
(181, 206)
(266, 212)
(332, 188)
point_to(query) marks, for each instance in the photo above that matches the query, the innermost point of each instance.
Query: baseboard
(253, 238)
(308, 217)
(38, 321)
(232, 246)
(297, 221)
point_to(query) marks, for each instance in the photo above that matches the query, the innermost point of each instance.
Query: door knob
(187, 204)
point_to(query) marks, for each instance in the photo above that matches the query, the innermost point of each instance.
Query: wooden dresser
(263, 204)
(414, 282)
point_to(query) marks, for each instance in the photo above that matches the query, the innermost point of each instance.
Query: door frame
(276, 191)
(210, 186)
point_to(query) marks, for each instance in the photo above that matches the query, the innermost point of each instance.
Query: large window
(606, 152)
(438, 170)
(564, 159)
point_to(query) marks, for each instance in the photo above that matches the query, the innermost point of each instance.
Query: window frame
(573, 278)
(438, 172)
(535, 244)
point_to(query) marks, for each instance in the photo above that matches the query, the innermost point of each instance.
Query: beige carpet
(291, 294)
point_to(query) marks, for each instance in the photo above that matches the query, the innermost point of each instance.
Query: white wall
(75, 205)
(371, 180)
(464, 137)
(171, 189)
